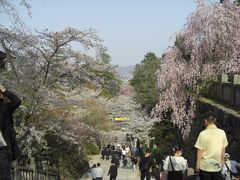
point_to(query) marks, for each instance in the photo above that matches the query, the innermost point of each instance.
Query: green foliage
(97, 115)
(164, 136)
(105, 93)
(111, 81)
(92, 148)
(158, 154)
(144, 82)
(103, 55)
(179, 44)
(237, 2)
(65, 156)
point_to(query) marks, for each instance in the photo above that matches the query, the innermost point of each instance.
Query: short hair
(98, 164)
(177, 148)
(209, 117)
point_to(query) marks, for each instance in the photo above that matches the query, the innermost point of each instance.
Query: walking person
(108, 153)
(113, 171)
(229, 170)
(175, 165)
(98, 172)
(116, 160)
(103, 152)
(93, 174)
(125, 162)
(211, 144)
(134, 163)
(9, 150)
(146, 165)
(124, 153)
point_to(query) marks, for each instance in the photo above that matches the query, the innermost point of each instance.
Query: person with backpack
(175, 165)
(146, 165)
(229, 170)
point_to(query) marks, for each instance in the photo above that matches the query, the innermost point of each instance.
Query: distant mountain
(123, 70)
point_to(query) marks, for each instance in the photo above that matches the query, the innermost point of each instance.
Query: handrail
(25, 173)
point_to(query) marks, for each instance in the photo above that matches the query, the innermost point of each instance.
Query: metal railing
(23, 173)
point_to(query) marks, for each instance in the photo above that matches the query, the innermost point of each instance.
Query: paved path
(123, 174)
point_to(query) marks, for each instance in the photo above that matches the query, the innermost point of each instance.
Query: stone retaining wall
(227, 119)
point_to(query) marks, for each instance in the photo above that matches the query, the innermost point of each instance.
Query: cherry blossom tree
(9, 8)
(51, 78)
(65, 92)
(123, 105)
(207, 46)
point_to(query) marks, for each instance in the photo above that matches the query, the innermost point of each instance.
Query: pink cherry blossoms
(207, 46)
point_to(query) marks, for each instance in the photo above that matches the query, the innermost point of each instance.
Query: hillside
(125, 72)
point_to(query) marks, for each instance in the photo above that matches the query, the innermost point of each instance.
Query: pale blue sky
(129, 28)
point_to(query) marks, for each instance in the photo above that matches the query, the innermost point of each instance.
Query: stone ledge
(223, 107)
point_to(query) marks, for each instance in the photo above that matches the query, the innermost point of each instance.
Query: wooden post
(47, 171)
(17, 172)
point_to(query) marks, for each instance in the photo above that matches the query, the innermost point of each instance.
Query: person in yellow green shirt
(211, 144)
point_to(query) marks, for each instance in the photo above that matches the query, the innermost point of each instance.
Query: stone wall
(227, 92)
(227, 119)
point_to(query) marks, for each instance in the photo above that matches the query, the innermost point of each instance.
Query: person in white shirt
(127, 149)
(124, 153)
(93, 174)
(229, 169)
(175, 165)
(98, 173)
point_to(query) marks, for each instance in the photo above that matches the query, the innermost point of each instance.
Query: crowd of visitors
(120, 155)
(212, 162)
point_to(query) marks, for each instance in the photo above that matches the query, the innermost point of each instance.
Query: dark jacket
(113, 170)
(146, 163)
(116, 160)
(6, 122)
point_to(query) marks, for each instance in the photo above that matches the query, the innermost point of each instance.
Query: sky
(129, 28)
